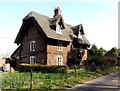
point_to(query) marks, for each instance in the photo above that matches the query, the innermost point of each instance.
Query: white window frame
(32, 60)
(60, 60)
(79, 35)
(58, 29)
(59, 46)
(32, 45)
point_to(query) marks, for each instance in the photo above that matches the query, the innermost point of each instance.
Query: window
(32, 46)
(59, 46)
(32, 60)
(58, 29)
(59, 59)
(79, 35)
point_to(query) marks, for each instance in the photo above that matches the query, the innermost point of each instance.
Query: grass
(21, 80)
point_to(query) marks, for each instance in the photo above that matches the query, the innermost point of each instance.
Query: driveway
(105, 83)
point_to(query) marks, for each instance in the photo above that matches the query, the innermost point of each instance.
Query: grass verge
(21, 80)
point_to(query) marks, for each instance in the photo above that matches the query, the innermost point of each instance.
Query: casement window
(59, 46)
(58, 29)
(32, 60)
(32, 46)
(59, 60)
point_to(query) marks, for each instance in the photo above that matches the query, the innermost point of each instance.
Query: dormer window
(79, 35)
(58, 29)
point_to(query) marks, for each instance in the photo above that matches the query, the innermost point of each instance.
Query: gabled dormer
(78, 30)
(57, 22)
(79, 38)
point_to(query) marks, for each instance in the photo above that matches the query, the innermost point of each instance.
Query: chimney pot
(57, 11)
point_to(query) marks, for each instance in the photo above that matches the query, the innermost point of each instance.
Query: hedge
(43, 68)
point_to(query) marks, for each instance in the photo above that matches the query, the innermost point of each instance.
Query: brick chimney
(57, 11)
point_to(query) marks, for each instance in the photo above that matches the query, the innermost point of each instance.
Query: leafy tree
(93, 50)
(94, 62)
(114, 51)
(102, 51)
(74, 57)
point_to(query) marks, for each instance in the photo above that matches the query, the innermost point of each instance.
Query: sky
(99, 19)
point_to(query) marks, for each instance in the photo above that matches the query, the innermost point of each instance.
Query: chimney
(57, 11)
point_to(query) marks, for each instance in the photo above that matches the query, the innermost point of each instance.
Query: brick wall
(53, 53)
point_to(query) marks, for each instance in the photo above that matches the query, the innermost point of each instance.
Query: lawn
(21, 80)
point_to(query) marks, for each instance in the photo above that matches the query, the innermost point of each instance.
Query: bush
(93, 63)
(96, 62)
(43, 68)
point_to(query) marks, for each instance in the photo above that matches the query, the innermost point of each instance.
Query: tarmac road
(106, 83)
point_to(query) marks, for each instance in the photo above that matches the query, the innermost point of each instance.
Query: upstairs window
(59, 59)
(59, 46)
(58, 29)
(32, 60)
(32, 46)
(79, 35)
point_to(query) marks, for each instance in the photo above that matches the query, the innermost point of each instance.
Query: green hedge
(43, 68)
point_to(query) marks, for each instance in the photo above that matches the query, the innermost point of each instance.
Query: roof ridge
(34, 14)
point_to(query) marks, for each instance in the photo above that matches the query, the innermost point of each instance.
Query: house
(47, 41)
(2, 62)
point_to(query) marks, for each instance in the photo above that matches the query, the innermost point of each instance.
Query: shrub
(93, 63)
(43, 68)
(96, 62)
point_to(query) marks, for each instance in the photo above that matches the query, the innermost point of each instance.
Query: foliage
(100, 59)
(95, 51)
(93, 63)
(102, 51)
(113, 52)
(74, 58)
(43, 68)
(21, 80)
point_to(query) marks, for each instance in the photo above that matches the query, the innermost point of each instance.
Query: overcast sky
(99, 19)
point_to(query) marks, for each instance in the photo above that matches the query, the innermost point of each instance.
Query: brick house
(47, 41)
(2, 62)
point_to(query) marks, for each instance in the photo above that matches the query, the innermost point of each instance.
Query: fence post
(31, 80)
(75, 67)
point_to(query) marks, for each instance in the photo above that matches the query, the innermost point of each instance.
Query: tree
(102, 51)
(111, 57)
(93, 50)
(114, 51)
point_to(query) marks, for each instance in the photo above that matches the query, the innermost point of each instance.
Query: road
(106, 83)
